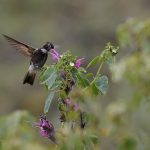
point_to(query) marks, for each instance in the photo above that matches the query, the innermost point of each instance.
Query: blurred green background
(80, 26)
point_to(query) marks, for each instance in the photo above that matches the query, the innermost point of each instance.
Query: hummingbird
(38, 56)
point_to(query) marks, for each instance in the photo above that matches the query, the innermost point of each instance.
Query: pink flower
(67, 102)
(55, 55)
(72, 105)
(79, 62)
(75, 107)
(46, 128)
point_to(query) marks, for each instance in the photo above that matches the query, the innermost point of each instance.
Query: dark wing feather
(21, 47)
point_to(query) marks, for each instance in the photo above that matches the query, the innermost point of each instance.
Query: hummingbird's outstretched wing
(21, 47)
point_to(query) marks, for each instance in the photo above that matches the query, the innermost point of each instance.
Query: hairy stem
(98, 71)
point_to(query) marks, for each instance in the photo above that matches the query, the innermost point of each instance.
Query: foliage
(16, 132)
(65, 74)
(85, 121)
(133, 69)
(63, 78)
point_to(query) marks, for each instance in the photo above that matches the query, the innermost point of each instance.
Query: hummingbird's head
(48, 46)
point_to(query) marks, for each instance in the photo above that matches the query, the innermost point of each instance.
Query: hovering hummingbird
(38, 56)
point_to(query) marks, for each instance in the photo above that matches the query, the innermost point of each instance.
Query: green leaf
(102, 84)
(49, 77)
(51, 81)
(110, 60)
(81, 69)
(48, 102)
(46, 72)
(57, 84)
(94, 89)
(93, 62)
(82, 79)
(89, 75)
(42, 73)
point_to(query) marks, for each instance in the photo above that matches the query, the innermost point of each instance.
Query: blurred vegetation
(80, 26)
(134, 69)
(16, 133)
(122, 123)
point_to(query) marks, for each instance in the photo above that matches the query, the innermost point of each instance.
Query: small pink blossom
(55, 55)
(75, 107)
(79, 62)
(67, 102)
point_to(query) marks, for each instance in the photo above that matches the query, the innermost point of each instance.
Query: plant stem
(98, 71)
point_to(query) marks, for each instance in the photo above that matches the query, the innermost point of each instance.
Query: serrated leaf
(110, 60)
(51, 81)
(93, 62)
(45, 74)
(48, 102)
(102, 84)
(56, 84)
(49, 77)
(94, 89)
(82, 79)
(42, 73)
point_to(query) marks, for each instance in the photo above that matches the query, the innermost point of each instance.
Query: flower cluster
(46, 128)
(68, 68)
(56, 57)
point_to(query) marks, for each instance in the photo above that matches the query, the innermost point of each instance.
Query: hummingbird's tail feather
(29, 77)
